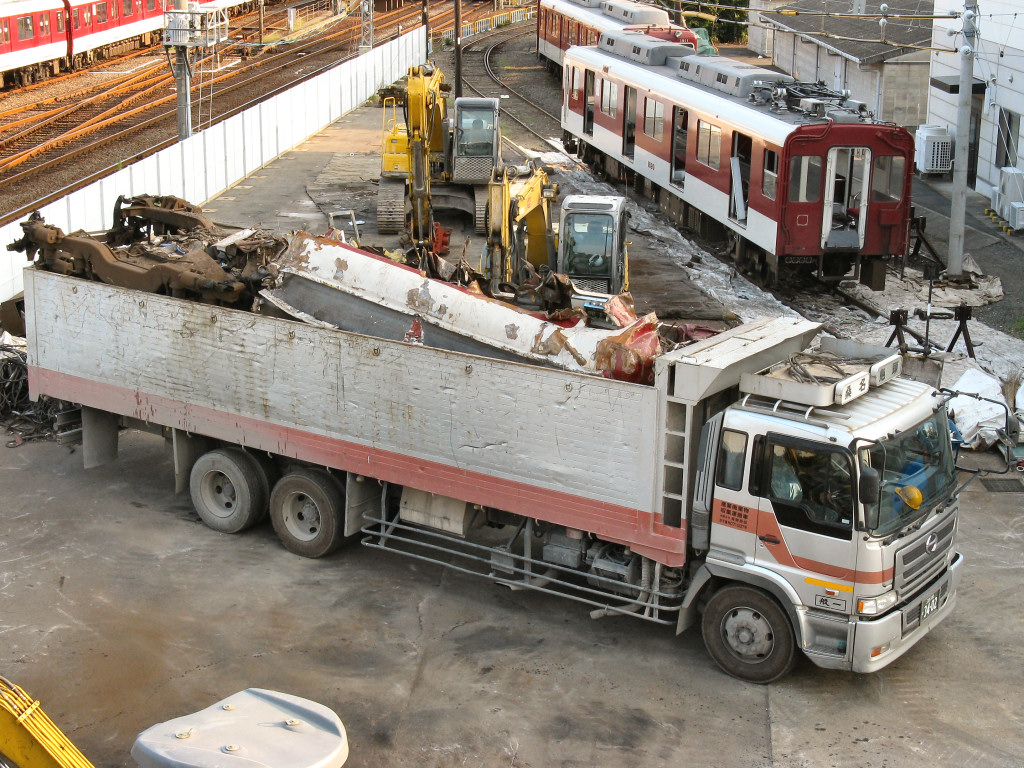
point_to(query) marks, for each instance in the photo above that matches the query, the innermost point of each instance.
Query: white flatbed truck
(707, 497)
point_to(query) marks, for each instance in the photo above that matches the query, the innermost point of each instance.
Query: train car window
(101, 13)
(805, 179)
(87, 16)
(5, 32)
(26, 30)
(609, 98)
(709, 144)
(44, 25)
(654, 119)
(150, 5)
(576, 83)
(770, 180)
(680, 120)
(126, 8)
(887, 176)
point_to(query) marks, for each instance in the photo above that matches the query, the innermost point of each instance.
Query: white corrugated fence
(212, 160)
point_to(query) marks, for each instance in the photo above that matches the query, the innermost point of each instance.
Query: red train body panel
(796, 174)
(39, 38)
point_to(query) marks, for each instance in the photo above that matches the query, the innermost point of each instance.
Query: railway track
(531, 116)
(38, 142)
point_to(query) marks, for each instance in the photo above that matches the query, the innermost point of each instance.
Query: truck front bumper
(879, 642)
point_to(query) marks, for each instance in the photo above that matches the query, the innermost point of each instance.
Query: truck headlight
(873, 606)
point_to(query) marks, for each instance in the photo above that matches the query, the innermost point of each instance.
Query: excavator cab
(476, 141)
(592, 243)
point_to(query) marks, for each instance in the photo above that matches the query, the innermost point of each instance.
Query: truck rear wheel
(748, 634)
(228, 489)
(307, 509)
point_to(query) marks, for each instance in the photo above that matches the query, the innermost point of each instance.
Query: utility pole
(366, 25)
(458, 49)
(426, 26)
(186, 31)
(958, 209)
(182, 68)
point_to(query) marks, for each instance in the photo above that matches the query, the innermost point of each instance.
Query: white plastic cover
(254, 728)
(978, 420)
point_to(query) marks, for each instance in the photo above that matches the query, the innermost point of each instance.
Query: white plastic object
(254, 728)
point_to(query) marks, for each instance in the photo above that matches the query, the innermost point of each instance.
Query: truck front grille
(919, 562)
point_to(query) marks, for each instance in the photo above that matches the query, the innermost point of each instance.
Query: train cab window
(654, 119)
(101, 13)
(26, 30)
(126, 8)
(709, 144)
(609, 98)
(770, 179)
(805, 179)
(887, 177)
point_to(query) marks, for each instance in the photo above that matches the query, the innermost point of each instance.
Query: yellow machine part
(518, 202)
(395, 147)
(29, 738)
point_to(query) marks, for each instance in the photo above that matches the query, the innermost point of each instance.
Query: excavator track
(390, 206)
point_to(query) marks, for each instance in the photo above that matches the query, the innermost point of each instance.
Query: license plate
(929, 605)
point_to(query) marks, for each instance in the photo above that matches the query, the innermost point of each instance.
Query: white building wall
(999, 62)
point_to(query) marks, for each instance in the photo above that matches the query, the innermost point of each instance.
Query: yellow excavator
(308, 735)
(589, 246)
(432, 160)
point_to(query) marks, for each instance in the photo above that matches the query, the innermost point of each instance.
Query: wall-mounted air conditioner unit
(1011, 192)
(933, 149)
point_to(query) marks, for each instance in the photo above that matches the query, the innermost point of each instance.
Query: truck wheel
(748, 634)
(307, 508)
(229, 490)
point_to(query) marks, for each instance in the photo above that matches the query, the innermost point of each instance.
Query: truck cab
(592, 242)
(841, 507)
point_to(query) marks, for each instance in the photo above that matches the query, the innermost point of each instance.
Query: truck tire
(748, 634)
(229, 490)
(307, 508)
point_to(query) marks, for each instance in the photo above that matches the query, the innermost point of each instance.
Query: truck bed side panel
(571, 448)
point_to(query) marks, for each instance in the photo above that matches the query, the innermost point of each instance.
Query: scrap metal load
(165, 245)
(159, 245)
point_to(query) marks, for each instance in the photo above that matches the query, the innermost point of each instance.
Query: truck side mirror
(868, 490)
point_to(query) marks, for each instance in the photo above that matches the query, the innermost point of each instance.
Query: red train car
(39, 38)
(565, 23)
(797, 175)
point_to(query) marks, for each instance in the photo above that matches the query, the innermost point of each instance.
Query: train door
(679, 130)
(845, 207)
(739, 176)
(588, 103)
(629, 123)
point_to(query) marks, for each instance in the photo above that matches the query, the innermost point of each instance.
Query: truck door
(805, 519)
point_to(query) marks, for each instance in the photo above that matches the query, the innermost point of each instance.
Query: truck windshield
(916, 473)
(589, 243)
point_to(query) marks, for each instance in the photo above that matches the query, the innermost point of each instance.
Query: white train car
(795, 174)
(562, 24)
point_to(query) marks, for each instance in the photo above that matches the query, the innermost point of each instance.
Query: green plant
(1018, 328)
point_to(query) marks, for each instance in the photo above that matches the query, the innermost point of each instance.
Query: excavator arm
(28, 738)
